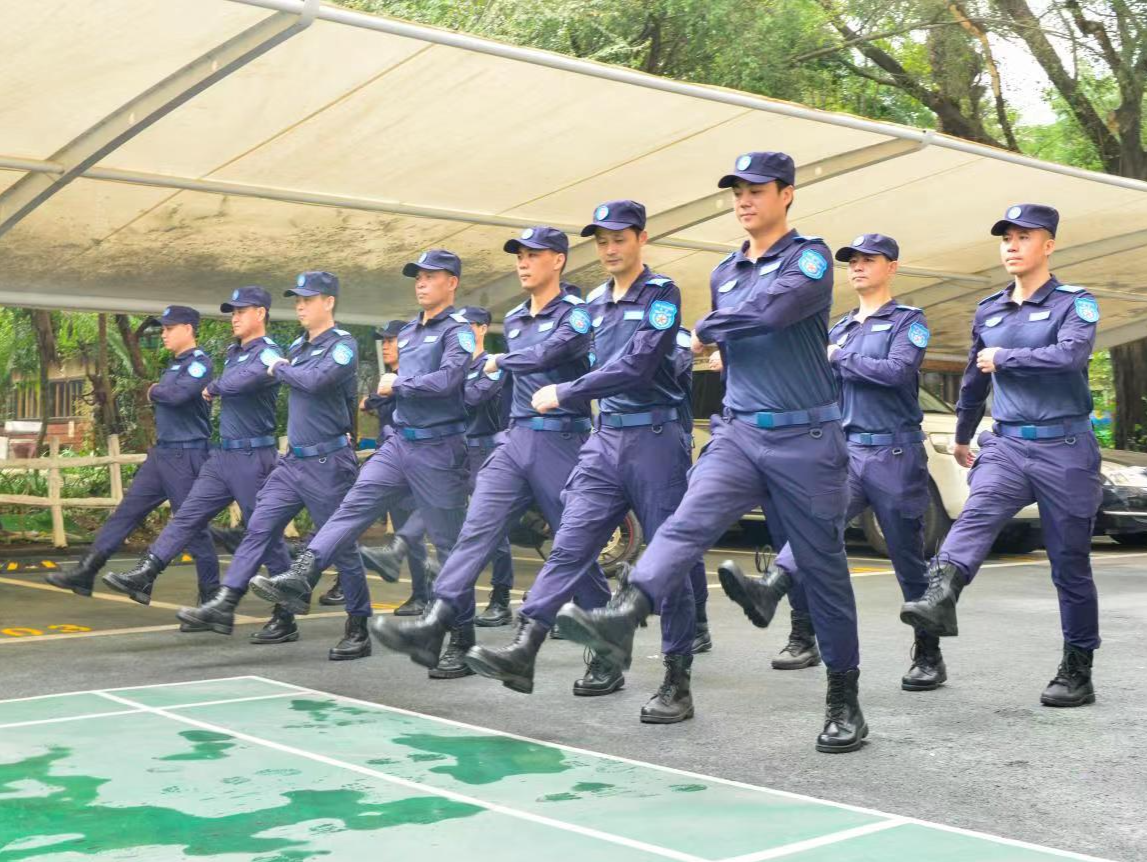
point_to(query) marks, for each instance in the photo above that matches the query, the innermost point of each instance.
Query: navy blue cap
(540, 238)
(616, 215)
(1028, 215)
(174, 315)
(870, 243)
(758, 168)
(435, 258)
(314, 283)
(477, 314)
(245, 297)
(390, 329)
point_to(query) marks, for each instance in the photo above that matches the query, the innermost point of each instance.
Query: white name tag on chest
(471, 375)
(546, 327)
(634, 315)
(727, 286)
(1039, 315)
(880, 327)
(430, 339)
(244, 357)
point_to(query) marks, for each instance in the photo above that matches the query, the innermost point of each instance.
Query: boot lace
(836, 708)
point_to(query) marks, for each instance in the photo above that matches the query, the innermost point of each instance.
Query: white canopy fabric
(158, 152)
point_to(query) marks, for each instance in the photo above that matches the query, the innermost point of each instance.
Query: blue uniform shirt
(181, 414)
(879, 368)
(483, 396)
(1041, 368)
(634, 340)
(553, 347)
(248, 393)
(322, 380)
(770, 320)
(383, 407)
(432, 360)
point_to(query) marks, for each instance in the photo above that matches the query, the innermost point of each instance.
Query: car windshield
(929, 403)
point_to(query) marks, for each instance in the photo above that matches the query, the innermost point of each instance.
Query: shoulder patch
(812, 263)
(197, 369)
(459, 317)
(1069, 288)
(684, 339)
(660, 280)
(343, 353)
(988, 299)
(596, 292)
(573, 300)
(919, 335)
(467, 340)
(268, 355)
(1087, 308)
(341, 331)
(662, 314)
(579, 320)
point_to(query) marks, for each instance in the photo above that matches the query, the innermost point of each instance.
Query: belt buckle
(764, 420)
(1029, 432)
(865, 438)
(408, 434)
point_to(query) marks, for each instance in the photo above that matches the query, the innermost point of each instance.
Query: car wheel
(623, 546)
(1136, 540)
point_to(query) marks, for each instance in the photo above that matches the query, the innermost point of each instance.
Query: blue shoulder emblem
(573, 300)
(198, 369)
(579, 320)
(662, 314)
(343, 353)
(919, 335)
(1087, 308)
(268, 355)
(467, 340)
(812, 263)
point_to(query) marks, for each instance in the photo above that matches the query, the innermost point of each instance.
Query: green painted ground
(300, 776)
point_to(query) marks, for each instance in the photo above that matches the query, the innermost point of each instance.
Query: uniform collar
(633, 294)
(884, 311)
(258, 341)
(776, 249)
(524, 309)
(1036, 298)
(444, 313)
(325, 335)
(191, 351)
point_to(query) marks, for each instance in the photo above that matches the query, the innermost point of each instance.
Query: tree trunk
(145, 418)
(1129, 368)
(102, 396)
(46, 348)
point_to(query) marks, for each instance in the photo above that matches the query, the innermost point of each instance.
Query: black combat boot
(608, 631)
(674, 700)
(512, 665)
(419, 638)
(453, 665)
(217, 614)
(758, 597)
(497, 612)
(600, 678)
(928, 671)
(844, 724)
(702, 639)
(79, 577)
(1072, 683)
(292, 588)
(137, 582)
(412, 607)
(386, 561)
(204, 597)
(281, 628)
(800, 651)
(935, 611)
(355, 642)
(334, 596)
